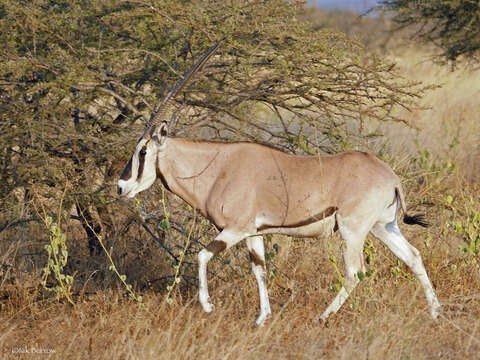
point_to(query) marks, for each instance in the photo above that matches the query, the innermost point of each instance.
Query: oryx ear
(160, 133)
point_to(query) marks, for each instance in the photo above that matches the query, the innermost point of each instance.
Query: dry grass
(387, 318)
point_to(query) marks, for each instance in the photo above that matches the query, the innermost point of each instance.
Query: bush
(79, 78)
(451, 25)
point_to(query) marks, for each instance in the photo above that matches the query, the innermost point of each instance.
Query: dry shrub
(387, 316)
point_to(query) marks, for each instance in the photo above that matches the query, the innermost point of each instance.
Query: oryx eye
(143, 152)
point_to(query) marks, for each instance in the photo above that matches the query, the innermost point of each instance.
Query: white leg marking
(353, 259)
(391, 236)
(203, 257)
(228, 238)
(257, 257)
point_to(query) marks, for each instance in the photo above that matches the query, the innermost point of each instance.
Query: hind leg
(391, 236)
(353, 259)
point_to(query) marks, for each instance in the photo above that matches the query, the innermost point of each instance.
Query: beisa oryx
(248, 190)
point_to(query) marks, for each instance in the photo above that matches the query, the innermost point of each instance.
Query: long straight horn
(167, 102)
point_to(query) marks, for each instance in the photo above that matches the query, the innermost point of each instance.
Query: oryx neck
(189, 168)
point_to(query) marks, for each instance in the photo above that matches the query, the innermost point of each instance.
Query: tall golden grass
(386, 318)
(450, 126)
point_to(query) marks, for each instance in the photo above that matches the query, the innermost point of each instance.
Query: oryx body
(248, 190)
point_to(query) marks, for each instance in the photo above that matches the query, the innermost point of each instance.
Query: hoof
(323, 318)
(435, 311)
(207, 306)
(260, 320)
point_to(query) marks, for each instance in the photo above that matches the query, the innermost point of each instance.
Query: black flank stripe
(324, 214)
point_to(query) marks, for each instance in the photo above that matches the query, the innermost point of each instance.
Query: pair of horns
(167, 102)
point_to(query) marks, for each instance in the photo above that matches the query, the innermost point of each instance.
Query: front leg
(224, 240)
(257, 260)
(203, 257)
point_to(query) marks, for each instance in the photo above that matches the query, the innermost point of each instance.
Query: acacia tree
(79, 78)
(451, 25)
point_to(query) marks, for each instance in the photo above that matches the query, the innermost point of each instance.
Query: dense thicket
(79, 79)
(451, 25)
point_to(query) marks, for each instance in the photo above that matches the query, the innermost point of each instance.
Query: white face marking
(141, 179)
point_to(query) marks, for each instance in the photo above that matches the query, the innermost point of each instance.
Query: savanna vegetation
(84, 274)
(452, 26)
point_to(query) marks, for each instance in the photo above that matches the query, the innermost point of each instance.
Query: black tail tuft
(415, 219)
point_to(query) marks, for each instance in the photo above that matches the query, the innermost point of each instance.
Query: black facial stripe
(127, 172)
(141, 159)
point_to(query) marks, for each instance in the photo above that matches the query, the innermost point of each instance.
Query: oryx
(248, 190)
